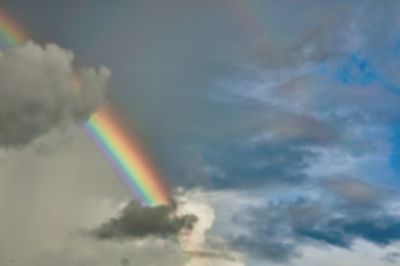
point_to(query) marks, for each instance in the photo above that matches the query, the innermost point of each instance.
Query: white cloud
(202, 247)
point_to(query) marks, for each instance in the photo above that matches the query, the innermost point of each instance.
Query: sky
(275, 124)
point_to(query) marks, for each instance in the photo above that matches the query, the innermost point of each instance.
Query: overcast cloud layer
(276, 123)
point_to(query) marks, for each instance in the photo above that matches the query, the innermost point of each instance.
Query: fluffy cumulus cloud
(41, 89)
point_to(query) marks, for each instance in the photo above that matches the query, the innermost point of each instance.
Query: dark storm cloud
(136, 221)
(39, 91)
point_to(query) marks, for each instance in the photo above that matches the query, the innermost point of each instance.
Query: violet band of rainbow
(117, 145)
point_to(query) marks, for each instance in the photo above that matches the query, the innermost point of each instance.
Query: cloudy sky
(276, 125)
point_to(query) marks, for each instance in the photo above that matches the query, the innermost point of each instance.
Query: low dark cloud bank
(136, 221)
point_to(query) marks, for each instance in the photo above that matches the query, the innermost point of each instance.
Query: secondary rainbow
(11, 33)
(106, 130)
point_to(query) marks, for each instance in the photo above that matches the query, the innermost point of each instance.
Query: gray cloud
(354, 191)
(270, 249)
(348, 210)
(211, 255)
(125, 262)
(136, 221)
(40, 90)
(324, 35)
(181, 112)
(392, 257)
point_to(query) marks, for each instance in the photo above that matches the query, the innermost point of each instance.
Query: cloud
(312, 123)
(353, 190)
(361, 253)
(136, 221)
(63, 197)
(198, 243)
(209, 255)
(190, 221)
(350, 211)
(79, 252)
(392, 257)
(258, 136)
(125, 262)
(40, 90)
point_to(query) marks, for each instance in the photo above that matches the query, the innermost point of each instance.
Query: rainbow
(126, 156)
(11, 33)
(106, 130)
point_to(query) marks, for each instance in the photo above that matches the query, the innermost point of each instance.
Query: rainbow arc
(126, 156)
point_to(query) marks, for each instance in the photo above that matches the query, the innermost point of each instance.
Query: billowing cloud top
(40, 89)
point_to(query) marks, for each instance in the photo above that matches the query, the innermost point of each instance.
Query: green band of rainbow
(126, 157)
(11, 33)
